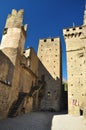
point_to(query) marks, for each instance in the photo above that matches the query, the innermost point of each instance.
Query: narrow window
(52, 39)
(74, 28)
(24, 51)
(5, 31)
(80, 27)
(80, 33)
(67, 30)
(49, 94)
(45, 40)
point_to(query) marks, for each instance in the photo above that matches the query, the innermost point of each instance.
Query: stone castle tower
(28, 83)
(12, 45)
(14, 35)
(49, 53)
(75, 39)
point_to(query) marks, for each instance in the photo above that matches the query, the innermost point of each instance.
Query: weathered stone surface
(75, 39)
(26, 75)
(15, 19)
(49, 53)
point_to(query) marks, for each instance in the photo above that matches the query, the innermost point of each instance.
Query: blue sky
(45, 18)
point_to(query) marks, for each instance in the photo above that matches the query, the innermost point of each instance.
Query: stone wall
(49, 53)
(15, 19)
(29, 70)
(25, 78)
(76, 67)
(12, 46)
(51, 98)
(6, 77)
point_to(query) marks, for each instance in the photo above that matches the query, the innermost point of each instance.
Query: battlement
(49, 40)
(73, 32)
(15, 19)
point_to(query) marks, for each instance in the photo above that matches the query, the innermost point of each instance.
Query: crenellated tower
(11, 50)
(75, 39)
(14, 35)
(49, 52)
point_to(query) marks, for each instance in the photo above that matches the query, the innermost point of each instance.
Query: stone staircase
(16, 105)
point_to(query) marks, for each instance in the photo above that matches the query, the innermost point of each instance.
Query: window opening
(67, 30)
(49, 94)
(5, 31)
(80, 27)
(52, 39)
(74, 28)
(45, 40)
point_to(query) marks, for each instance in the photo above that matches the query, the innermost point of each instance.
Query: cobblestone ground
(31, 121)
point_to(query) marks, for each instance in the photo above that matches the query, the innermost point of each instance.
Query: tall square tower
(75, 39)
(49, 53)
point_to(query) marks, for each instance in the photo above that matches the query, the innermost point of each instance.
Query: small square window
(67, 30)
(45, 40)
(74, 28)
(80, 27)
(5, 31)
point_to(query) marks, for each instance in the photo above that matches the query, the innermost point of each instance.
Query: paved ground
(43, 121)
(31, 121)
(66, 122)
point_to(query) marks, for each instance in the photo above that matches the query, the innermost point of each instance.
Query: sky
(45, 19)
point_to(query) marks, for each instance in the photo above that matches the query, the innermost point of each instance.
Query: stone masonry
(33, 82)
(25, 84)
(75, 38)
(49, 53)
